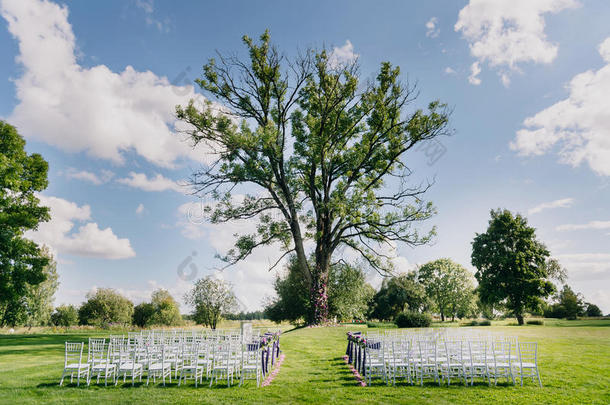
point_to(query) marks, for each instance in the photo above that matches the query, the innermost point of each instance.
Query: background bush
(65, 315)
(371, 324)
(413, 320)
(535, 322)
(104, 308)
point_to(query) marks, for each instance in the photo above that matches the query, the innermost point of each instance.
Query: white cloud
(432, 30)
(343, 55)
(596, 225)
(590, 266)
(475, 69)
(580, 124)
(157, 183)
(140, 209)
(191, 220)
(562, 203)
(506, 33)
(505, 79)
(251, 278)
(90, 109)
(148, 7)
(450, 71)
(89, 240)
(85, 175)
(600, 298)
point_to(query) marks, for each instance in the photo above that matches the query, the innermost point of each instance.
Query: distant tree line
(515, 275)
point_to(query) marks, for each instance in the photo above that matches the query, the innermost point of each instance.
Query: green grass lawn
(574, 358)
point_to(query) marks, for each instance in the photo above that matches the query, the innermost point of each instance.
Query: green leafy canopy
(513, 267)
(22, 262)
(319, 146)
(344, 140)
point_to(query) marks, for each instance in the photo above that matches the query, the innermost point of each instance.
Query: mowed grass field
(574, 359)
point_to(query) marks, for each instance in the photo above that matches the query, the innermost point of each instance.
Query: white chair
(502, 362)
(190, 367)
(158, 365)
(205, 356)
(224, 361)
(425, 364)
(100, 361)
(476, 365)
(251, 362)
(73, 363)
(375, 362)
(528, 361)
(452, 365)
(131, 365)
(400, 364)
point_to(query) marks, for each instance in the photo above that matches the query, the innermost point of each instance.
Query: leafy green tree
(513, 268)
(292, 295)
(65, 315)
(166, 309)
(449, 286)
(142, 313)
(245, 316)
(39, 297)
(104, 307)
(468, 306)
(349, 294)
(398, 294)
(22, 262)
(162, 310)
(571, 304)
(593, 310)
(211, 298)
(316, 150)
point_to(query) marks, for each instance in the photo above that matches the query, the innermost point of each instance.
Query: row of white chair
(417, 357)
(193, 356)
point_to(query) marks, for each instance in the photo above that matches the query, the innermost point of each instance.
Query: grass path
(574, 361)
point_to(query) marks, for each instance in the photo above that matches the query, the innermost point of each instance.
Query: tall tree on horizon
(319, 147)
(513, 268)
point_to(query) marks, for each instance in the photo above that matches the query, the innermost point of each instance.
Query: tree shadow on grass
(53, 384)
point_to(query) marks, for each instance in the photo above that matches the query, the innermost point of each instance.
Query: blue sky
(92, 88)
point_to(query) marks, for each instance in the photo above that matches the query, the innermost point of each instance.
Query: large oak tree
(319, 147)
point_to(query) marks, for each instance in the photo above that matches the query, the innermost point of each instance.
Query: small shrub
(413, 320)
(370, 324)
(484, 322)
(535, 322)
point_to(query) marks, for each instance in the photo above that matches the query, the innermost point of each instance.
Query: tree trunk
(319, 300)
(519, 317)
(442, 317)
